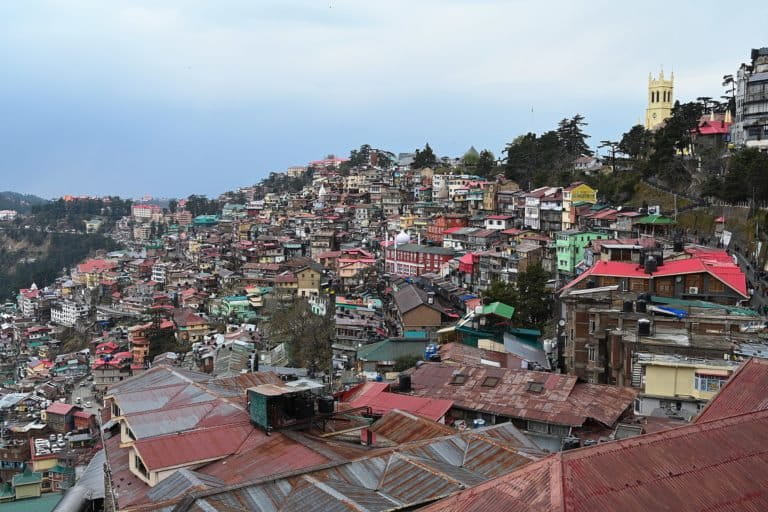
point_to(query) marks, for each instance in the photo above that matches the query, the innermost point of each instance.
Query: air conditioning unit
(693, 290)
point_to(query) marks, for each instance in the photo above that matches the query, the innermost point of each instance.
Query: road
(759, 299)
(86, 395)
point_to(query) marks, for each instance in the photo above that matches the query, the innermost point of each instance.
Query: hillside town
(403, 331)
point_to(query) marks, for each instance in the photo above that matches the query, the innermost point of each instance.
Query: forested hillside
(28, 256)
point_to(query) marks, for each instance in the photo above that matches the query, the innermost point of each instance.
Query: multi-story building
(678, 385)
(750, 127)
(570, 247)
(68, 313)
(574, 194)
(159, 272)
(412, 260)
(440, 223)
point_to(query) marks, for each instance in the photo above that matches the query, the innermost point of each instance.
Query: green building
(570, 248)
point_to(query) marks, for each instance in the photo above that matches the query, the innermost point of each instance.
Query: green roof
(525, 332)
(392, 349)
(733, 310)
(6, 490)
(499, 309)
(45, 503)
(655, 219)
(28, 477)
(61, 469)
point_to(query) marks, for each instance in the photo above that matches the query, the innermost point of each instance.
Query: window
(490, 382)
(535, 387)
(709, 383)
(591, 326)
(538, 426)
(559, 430)
(592, 353)
(140, 466)
(459, 379)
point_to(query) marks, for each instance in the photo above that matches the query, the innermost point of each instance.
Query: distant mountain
(22, 203)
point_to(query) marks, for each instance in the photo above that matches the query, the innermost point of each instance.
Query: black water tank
(405, 383)
(591, 283)
(678, 245)
(325, 405)
(650, 265)
(643, 327)
(627, 306)
(641, 306)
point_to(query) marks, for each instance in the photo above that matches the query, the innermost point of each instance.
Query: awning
(714, 373)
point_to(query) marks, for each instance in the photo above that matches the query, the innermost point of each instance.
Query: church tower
(659, 100)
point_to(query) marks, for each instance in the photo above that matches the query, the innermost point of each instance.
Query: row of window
(666, 96)
(709, 383)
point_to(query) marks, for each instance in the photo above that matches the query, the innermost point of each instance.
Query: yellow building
(660, 100)
(681, 386)
(576, 193)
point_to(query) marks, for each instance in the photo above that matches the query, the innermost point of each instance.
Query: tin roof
(677, 469)
(746, 391)
(555, 398)
(403, 478)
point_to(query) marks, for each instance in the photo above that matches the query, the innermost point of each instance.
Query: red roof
(96, 265)
(381, 402)
(713, 128)
(59, 408)
(189, 447)
(718, 264)
(717, 465)
(746, 391)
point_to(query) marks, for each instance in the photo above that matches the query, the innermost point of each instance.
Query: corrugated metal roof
(561, 401)
(400, 427)
(406, 477)
(746, 391)
(193, 446)
(717, 465)
(180, 483)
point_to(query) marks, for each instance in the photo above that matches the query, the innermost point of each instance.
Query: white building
(159, 272)
(68, 312)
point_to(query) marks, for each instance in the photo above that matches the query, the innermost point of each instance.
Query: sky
(174, 97)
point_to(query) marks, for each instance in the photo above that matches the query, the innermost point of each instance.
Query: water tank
(325, 405)
(404, 383)
(650, 265)
(628, 306)
(641, 306)
(643, 327)
(478, 423)
(678, 246)
(591, 283)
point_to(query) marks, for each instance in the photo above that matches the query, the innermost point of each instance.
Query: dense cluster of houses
(178, 390)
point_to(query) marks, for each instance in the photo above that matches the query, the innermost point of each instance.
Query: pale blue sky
(196, 96)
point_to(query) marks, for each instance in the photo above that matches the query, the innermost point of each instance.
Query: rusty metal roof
(401, 427)
(192, 447)
(557, 398)
(405, 477)
(716, 465)
(745, 391)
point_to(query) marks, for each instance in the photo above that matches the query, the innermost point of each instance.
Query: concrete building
(750, 127)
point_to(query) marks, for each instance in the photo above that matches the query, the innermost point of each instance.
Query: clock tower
(659, 100)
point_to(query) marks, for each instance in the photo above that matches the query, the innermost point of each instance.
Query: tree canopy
(424, 158)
